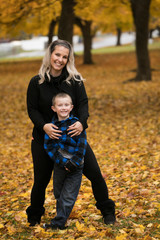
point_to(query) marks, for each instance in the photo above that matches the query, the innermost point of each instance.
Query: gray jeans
(66, 188)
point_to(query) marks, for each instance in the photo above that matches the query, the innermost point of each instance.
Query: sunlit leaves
(124, 132)
(18, 17)
(107, 15)
(32, 17)
(154, 14)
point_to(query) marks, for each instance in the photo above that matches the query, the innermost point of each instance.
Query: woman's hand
(75, 129)
(52, 130)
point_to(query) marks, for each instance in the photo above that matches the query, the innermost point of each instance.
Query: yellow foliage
(1, 225)
(32, 17)
(124, 132)
(121, 237)
(79, 226)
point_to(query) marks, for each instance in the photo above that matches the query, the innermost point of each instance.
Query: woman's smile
(59, 58)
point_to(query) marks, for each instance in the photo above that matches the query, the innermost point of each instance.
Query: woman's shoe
(34, 215)
(109, 219)
(33, 222)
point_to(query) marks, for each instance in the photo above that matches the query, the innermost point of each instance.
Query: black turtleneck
(39, 101)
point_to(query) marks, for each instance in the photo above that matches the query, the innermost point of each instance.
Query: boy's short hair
(60, 95)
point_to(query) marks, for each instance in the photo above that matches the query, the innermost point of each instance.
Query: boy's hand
(70, 167)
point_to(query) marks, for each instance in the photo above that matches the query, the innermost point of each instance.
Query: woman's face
(59, 58)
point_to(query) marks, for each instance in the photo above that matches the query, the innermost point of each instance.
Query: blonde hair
(70, 66)
(61, 95)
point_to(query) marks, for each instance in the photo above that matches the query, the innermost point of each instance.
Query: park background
(123, 87)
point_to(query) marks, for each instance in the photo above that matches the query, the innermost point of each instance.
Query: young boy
(67, 153)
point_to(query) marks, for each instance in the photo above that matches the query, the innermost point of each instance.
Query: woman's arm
(81, 107)
(75, 129)
(34, 112)
(32, 104)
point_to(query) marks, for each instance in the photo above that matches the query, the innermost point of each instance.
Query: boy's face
(63, 107)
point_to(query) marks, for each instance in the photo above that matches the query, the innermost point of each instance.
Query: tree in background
(114, 16)
(140, 11)
(27, 17)
(86, 14)
(154, 17)
(106, 15)
(41, 17)
(85, 27)
(65, 30)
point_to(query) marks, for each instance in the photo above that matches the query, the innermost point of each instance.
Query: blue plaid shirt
(74, 146)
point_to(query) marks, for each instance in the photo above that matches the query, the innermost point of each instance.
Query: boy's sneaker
(53, 226)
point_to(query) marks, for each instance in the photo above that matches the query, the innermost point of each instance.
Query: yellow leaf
(150, 225)
(11, 230)
(143, 167)
(122, 237)
(1, 225)
(79, 226)
(139, 230)
(92, 228)
(39, 229)
(122, 231)
(156, 182)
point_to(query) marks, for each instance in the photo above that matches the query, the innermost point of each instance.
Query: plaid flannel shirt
(74, 146)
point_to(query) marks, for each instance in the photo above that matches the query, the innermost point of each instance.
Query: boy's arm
(79, 153)
(50, 146)
(60, 159)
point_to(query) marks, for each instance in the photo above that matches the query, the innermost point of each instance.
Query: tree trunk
(158, 28)
(85, 27)
(51, 30)
(140, 11)
(65, 30)
(118, 36)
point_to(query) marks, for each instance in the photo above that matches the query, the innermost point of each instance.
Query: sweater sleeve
(51, 147)
(32, 104)
(82, 104)
(80, 150)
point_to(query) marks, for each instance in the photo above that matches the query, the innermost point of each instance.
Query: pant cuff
(107, 207)
(35, 213)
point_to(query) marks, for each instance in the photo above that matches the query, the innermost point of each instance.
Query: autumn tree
(65, 30)
(85, 27)
(101, 15)
(86, 13)
(140, 11)
(28, 16)
(114, 16)
(67, 20)
(154, 17)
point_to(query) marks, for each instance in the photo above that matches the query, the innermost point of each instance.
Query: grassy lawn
(124, 48)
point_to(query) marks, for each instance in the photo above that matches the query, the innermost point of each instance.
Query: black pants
(43, 167)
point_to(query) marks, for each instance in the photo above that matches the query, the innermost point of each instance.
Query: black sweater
(39, 101)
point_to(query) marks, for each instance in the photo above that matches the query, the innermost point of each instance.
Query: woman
(58, 74)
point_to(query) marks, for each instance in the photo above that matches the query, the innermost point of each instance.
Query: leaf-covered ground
(124, 131)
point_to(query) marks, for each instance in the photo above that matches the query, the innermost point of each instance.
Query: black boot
(107, 209)
(34, 215)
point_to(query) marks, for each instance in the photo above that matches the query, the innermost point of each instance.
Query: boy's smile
(62, 107)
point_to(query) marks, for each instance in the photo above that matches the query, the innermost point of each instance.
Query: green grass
(104, 50)
(2, 60)
(123, 48)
